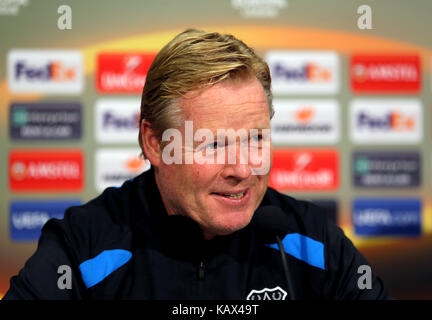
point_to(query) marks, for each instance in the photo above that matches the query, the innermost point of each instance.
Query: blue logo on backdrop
(116, 121)
(26, 218)
(387, 217)
(287, 73)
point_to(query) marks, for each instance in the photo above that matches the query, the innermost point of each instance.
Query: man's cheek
(261, 157)
(194, 174)
(261, 163)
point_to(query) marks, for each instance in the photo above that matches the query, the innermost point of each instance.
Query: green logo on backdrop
(20, 117)
(362, 165)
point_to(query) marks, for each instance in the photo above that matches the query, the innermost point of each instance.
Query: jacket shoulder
(99, 224)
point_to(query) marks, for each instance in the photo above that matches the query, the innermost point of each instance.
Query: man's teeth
(234, 195)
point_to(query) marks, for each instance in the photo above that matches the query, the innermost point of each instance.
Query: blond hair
(195, 59)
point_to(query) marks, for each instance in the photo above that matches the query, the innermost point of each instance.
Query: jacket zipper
(200, 278)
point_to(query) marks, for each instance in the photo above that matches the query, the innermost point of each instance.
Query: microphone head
(271, 221)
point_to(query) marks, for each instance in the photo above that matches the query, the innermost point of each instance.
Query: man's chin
(224, 228)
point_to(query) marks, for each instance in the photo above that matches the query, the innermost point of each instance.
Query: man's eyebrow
(263, 127)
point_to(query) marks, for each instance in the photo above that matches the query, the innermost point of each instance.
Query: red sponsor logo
(46, 170)
(305, 170)
(122, 72)
(385, 73)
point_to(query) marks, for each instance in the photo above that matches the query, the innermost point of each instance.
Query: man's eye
(213, 145)
(257, 138)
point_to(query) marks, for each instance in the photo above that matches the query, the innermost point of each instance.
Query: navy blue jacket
(123, 245)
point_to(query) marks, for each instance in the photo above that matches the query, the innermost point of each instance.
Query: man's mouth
(232, 195)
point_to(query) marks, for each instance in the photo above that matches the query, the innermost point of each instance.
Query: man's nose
(240, 168)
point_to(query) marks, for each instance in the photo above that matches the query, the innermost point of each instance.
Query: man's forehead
(227, 103)
(235, 89)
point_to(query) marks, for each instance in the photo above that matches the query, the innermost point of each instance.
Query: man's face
(221, 197)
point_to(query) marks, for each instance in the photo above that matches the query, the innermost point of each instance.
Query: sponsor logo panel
(115, 166)
(117, 120)
(387, 217)
(27, 217)
(45, 121)
(264, 9)
(305, 121)
(46, 170)
(385, 73)
(386, 169)
(45, 71)
(304, 72)
(122, 72)
(380, 121)
(305, 169)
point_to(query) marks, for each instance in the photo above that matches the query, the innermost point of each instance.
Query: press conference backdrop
(352, 129)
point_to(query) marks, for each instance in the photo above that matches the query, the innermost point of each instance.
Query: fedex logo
(386, 121)
(308, 72)
(110, 119)
(304, 72)
(393, 120)
(52, 71)
(117, 120)
(45, 71)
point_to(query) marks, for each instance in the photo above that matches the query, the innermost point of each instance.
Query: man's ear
(150, 143)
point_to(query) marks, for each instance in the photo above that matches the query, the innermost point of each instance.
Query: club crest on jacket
(276, 293)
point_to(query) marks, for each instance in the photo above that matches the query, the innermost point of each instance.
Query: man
(198, 224)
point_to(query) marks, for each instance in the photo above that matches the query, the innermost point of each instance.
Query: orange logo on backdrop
(134, 164)
(305, 114)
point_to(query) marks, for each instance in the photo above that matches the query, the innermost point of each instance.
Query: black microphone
(271, 223)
